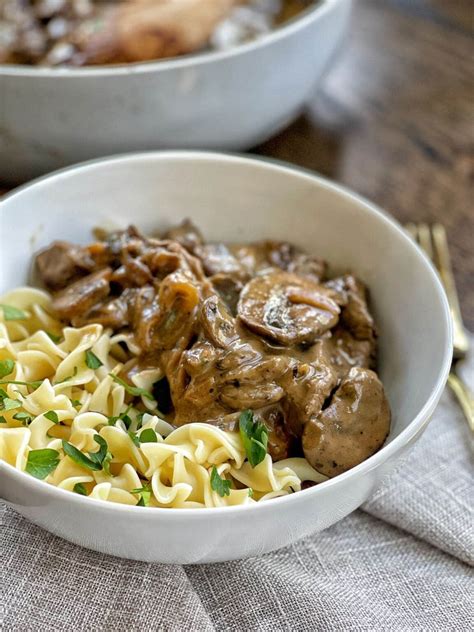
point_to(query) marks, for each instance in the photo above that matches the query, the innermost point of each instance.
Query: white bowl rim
(183, 61)
(414, 427)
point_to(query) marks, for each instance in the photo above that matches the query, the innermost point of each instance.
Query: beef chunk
(81, 296)
(352, 428)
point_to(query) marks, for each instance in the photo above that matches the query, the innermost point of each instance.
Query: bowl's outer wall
(230, 102)
(195, 539)
(235, 199)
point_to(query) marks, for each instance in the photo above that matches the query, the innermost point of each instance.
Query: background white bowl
(237, 198)
(50, 118)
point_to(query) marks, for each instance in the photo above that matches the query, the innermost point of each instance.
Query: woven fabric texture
(403, 562)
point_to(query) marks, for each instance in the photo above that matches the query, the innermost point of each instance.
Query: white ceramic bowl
(237, 198)
(50, 118)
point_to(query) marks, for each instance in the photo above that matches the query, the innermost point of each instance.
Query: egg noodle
(68, 419)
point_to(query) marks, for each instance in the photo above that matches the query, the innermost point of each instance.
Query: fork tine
(424, 238)
(443, 263)
(412, 230)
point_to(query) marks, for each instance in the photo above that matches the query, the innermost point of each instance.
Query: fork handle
(464, 395)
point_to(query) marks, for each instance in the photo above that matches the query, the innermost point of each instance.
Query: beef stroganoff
(171, 372)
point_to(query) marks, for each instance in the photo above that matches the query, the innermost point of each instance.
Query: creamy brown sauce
(238, 327)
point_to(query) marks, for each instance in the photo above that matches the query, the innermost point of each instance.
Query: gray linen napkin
(400, 564)
(432, 494)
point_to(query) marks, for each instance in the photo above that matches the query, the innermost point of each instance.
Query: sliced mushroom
(79, 297)
(287, 308)
(352, 428)
(228, 286)
(218, 325)
(177, 300)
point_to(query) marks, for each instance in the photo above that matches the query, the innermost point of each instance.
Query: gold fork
(433, 240)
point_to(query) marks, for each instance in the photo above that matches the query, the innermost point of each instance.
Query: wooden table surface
(394, 120)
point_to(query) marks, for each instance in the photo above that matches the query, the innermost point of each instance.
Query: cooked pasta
(67, 418)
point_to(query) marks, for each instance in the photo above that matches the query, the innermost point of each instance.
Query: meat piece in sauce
(286, 257)
(193, 383)
(287, 308)
(114, 313)
(307, 386)
(186, 234)
(345, 351)
(81, 296)
(351, 295)
(352, 428)
(270, 256)
(237, 327)
(280, 441)
(62, 263)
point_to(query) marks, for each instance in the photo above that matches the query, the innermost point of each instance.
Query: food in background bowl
(172, 372)
(227, 99)
(87, 32)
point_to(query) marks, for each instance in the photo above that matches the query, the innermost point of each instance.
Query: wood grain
(394, 120)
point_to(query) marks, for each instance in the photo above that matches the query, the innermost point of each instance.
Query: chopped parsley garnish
(95, 461)
(7, 403)
(55, 339)
(76, 403)
(33, 385)
(23, 417)
(123, 417)
(254, 437)
(250, 492)
(41, 463)
(134, 438)
(132, 390)
(80, 489)
(140, 420)
(52, 416)
(92, 360)
(148, 436)
(13, 313)
(106, 463)
(6, 367)
(218, 484)
(145, 495)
